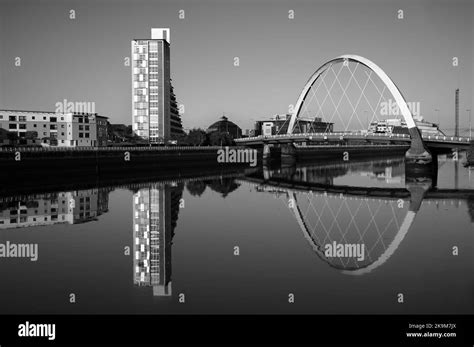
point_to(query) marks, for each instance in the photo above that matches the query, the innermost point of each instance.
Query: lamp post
(437, 111)
(470, 131)
(252, 122)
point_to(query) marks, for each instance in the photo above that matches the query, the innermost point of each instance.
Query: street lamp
(470, 131)
(437, 110)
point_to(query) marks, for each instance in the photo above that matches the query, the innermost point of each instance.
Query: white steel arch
(400, 100)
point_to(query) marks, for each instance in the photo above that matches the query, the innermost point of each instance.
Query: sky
(82, 59)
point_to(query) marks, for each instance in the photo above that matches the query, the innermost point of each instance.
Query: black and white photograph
(237, 171)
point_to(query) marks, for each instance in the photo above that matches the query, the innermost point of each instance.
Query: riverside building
(280, 122)
(155, 115)
(397, 126)
(53, 129)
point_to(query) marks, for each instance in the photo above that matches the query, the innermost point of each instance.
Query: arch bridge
(355, 87)
(330, 214)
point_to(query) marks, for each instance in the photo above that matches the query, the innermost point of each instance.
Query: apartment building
(155, 114)
(52, 129)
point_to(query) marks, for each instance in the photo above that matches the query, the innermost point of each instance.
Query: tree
(129, 131)
(179, 138)
(119, 133)
(196, 188)
(52, 141)
(31, 136)
(3, 134)
(196, 137)
(217, 138)
(224, 186)
(13, 137)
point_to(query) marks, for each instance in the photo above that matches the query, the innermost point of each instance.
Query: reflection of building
(89, 204)
(46, 209)
(279, 125)
(58, 129)
(155, 115)
(155, 211)
(224, 125)
(394, 174)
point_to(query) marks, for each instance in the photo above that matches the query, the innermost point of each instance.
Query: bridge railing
(341, 135)
(447, 138)
(106, 149)
(349, 145)
(324, 135)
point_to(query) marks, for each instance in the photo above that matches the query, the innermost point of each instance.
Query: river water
(256, 242)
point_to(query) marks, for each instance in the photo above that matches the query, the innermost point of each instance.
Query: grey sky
(83, 59)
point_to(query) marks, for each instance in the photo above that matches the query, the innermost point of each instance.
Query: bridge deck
(370, 192)
(430, 140)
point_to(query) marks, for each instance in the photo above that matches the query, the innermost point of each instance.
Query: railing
(447, 138)
(106, 149)
(361, 135)
(310, 136)
(349, 145)
(340, 134)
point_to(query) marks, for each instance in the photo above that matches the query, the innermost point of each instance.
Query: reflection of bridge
(363, 192)
(327, 94)
(378, 218)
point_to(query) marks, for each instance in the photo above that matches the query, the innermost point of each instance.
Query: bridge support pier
(417, 191)
(422, 174)
(419, 161)
(285, 153)
(418, 154)
(271, 153)
(288, 153)
(470, 154)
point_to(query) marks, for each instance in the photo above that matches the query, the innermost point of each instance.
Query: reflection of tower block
(162, 289)
(158, 269)
(141, 231)
(155, 209)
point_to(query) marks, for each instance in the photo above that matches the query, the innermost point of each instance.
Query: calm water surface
(135, 248)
